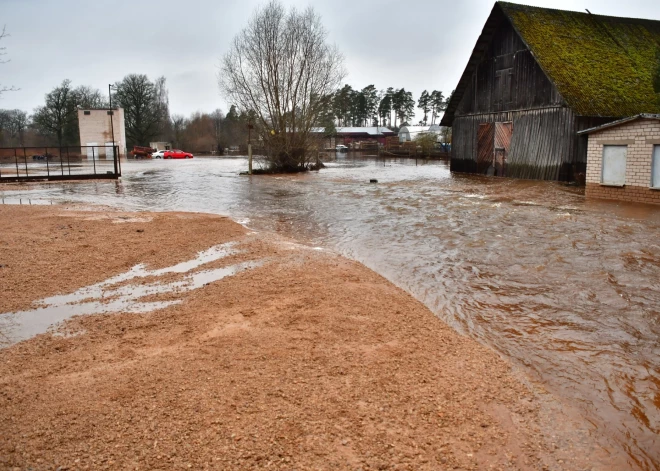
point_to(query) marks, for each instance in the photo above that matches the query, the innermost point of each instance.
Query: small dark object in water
(373, 180)
(140, 230)
(244, 173)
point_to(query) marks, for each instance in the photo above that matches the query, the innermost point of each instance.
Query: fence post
(61, 161)
(16, 160)
(93, 159)
(114, 155)
(47, 165)
(68, 160)
(25, 158)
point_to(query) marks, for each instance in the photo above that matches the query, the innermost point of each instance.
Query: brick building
(96, 132)
(623, 159)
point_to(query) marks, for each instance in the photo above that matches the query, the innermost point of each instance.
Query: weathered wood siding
(541, 145)
(508, 78)
(509, 86)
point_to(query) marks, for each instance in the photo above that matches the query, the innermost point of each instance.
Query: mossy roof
(601, 65)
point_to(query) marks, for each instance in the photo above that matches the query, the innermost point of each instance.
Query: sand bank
(299, 359)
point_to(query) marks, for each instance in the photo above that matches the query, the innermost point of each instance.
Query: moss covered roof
(601, 65)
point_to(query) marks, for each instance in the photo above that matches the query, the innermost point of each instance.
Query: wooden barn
(536, 77)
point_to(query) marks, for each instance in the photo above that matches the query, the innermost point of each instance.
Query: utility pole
(115, 157)
(250, 127)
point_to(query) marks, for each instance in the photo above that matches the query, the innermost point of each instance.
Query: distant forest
(392, 108)
(148, 117)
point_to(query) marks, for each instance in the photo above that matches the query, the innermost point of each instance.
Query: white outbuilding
(409, 133)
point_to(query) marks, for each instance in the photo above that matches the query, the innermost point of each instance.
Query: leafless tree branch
(281, 68)
(3, 52)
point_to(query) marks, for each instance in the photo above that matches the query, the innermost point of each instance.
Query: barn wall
(544, 144)
(509, 85)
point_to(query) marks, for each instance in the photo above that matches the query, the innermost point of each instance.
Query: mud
(304, 361)
(566, 289)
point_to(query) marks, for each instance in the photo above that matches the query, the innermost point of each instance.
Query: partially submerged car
(176, 154)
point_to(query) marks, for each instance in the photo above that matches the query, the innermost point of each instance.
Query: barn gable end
(529, 87)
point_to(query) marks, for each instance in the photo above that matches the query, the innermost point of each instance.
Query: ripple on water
(566, 288)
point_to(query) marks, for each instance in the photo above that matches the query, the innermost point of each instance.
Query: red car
(177, 154)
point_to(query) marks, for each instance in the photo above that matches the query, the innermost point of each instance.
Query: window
(87, 113)
(110, 113)
(655, 167)
(614, 165)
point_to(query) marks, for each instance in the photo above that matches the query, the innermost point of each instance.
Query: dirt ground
(309, 361)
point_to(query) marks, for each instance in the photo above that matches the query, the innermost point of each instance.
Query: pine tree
(424, 104)
(437, 104)
(390, 93)
(385, 108)
(370, 103)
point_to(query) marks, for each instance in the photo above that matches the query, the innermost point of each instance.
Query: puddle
(566, 288)
(107, 297)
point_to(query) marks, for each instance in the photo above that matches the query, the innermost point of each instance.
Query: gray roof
(418, 129)
(619, 122)
(370, 130)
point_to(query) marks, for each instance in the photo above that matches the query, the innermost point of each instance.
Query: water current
(565, 288)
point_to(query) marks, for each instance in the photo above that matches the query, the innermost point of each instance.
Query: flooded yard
(567, 290)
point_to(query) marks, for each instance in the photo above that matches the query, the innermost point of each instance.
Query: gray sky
(418, 45)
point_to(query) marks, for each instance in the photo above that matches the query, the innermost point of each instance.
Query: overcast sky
(413, 44)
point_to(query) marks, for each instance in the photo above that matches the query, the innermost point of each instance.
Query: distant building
(96, 131)
(351, 136)
(161, 145)
(409, 133)
(623, 159)
(536, 77)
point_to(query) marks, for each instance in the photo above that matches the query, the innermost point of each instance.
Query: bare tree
(13, 124)
(3, 35)
(218, 118)
(179, 124)
(89, 98)
(281, 68)
(143, 110)
(163, 98)
(5, 126)
(59, 116)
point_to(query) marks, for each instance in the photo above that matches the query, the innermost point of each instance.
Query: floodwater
(567, 290)
(116, 295)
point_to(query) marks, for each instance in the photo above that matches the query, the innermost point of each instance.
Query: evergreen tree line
(389, 108)
(146, 114)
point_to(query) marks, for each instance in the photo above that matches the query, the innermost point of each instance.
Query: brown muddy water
(567, 290)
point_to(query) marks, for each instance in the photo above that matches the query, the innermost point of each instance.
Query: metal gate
(20, 164)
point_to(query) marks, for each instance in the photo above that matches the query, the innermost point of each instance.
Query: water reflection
(565, 288)
(114, 295)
